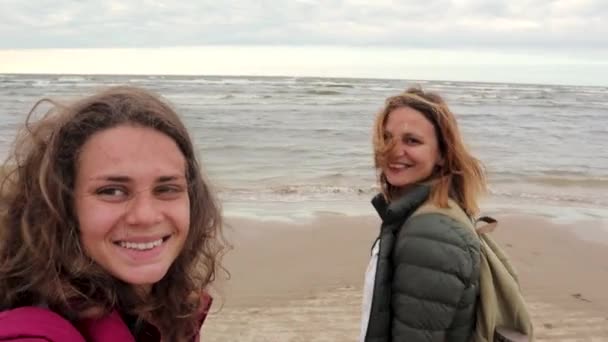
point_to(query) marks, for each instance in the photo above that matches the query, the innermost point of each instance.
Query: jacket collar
(403, 206)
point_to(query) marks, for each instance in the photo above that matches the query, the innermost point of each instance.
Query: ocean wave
(305, 189)
(348, 86)
(241, 96)
(540, 197)
(291, 189)
(322, 92)
(386, 89)
(224, 81)
(70, 79)
(593, 183)
(303, 193)
(556, 179)
(246, 146)
(324, 84)
(40, 83)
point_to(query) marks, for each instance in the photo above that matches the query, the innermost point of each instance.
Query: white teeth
(398, 166)
(140, 246)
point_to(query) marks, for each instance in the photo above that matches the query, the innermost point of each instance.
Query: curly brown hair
(461, 176)
(41, 258)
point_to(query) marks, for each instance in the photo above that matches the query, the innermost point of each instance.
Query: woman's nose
(143, 210)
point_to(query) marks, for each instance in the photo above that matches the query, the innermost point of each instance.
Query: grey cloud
(433, 23)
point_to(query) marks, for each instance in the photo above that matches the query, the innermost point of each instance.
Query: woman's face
(416, 151)
(131, 202)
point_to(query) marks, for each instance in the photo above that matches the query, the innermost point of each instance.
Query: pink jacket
(34, 324)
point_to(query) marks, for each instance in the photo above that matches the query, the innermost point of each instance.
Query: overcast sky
(468, 32)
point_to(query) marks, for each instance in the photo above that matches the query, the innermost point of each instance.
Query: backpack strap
(453, 210)
(482, 225)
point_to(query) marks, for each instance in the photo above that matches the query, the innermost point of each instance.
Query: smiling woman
(422, 282)
(108, 227)
(132, 202)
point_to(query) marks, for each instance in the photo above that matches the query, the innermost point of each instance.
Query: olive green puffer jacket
(427, 277)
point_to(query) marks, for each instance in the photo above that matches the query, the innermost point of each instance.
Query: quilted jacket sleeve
(435, 280)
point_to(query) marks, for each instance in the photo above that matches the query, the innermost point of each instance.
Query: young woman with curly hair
(108, 230)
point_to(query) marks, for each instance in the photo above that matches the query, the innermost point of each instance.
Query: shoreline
(561, 214)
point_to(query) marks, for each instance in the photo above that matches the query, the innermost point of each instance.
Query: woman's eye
(169, 190)
(111, 192)
(411, 141)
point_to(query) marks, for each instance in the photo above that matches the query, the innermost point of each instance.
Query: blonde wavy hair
(461, 176)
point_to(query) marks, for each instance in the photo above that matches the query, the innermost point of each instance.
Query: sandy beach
(302, 282)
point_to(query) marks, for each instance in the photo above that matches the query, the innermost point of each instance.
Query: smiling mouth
(142, 246)
(399, 166)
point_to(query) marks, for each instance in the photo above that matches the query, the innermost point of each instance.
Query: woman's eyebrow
(171, 178)
(113, 178)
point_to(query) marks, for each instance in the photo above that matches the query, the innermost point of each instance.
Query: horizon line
(296, 76)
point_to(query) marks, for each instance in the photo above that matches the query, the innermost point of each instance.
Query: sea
(289, 148)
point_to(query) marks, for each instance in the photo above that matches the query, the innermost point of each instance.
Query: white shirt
(368, 289)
